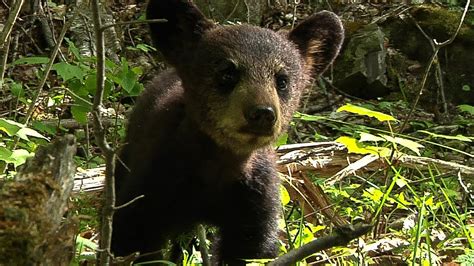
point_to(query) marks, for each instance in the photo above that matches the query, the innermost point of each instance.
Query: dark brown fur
(197, 149)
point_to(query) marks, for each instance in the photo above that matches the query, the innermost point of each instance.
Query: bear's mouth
(257, 132)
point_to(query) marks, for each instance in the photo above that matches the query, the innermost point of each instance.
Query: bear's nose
(260, 119)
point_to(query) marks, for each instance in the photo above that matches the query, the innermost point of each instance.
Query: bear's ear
(184, 27)
(319, 39)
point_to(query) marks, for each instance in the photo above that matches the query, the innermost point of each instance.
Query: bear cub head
(242, 83)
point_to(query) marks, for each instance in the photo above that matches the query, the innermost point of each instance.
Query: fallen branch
(329, 159)
(341, 237)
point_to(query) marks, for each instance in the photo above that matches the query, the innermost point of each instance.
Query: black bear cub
(199, 141)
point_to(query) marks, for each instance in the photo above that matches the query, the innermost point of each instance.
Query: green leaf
(410, 144)
(285, 196)
(137, 89)
(84, 242)
(17, 89)
(24, 132)
(306, 117)
(31, 60)
(67, 71)
(457, 137)
(10, 127)
(402, 202)
(373, 194)
(282, 140)
(19, 156)
(129, 79)
(91, 83)
(364, 137)
(466, 108)
(49, 129)
(466, 88)
(353, 146)
(5, 155)
(73, 49)
(364, 111)
(79, 113)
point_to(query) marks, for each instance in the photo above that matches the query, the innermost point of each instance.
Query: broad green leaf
(5, 155)
(67, 71)
(24, 132)
(91, 83)
(364, 111)
(282, 140)
(19, 156)
(49, 129)
(285, 196)
(73, 49)
(31, 60)
(79, 113)
(17, 89)
(137, 89)
(457, 137)
(466, 108)
(353, 146)
(364, 137)
(10, 127)
(410, 144)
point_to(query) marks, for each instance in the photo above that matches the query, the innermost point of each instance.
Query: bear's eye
(227, 76)
(281, 80)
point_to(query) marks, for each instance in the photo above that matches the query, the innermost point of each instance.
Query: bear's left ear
(319, 39)
(184, 27)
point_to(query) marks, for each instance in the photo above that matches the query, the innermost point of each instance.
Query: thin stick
(108, 206)
(7, 29)
(437, 46)
(49, 66)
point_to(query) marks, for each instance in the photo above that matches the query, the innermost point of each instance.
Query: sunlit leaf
(282, 140)
(429, 201)
(410, 144)
(367, 112)
(19, 156)
(466, 108)
(373, 194)
(401, 182)
(402, 202)
(457, 137)
(369, 137)
(23, 133)
(354, 146)
(285, 196)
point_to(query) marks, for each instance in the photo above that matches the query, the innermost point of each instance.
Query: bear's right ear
(184, 27)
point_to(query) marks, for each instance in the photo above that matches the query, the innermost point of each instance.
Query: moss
(441, 23)
(23, 219)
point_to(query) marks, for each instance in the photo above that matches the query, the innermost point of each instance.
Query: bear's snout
(260, 120)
